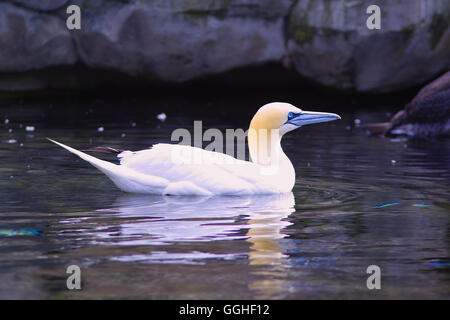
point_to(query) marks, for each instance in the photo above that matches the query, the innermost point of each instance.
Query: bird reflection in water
(171, 229)
(259, 220)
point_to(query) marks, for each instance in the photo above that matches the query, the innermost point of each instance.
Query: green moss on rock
(303, 34)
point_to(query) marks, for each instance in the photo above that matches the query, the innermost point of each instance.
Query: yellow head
(272, 116)
(272, 121)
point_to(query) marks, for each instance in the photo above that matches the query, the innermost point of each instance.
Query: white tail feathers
(104, 166)
(124, 178)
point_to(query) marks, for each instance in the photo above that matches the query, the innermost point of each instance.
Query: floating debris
(10, 141)
(393, 162)
(101, 129)
(424, 205)
(386, 205)
(29, 128)
(162, 117)
(6, 121)
(20, 232)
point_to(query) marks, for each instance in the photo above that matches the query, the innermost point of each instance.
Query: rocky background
(174, 41)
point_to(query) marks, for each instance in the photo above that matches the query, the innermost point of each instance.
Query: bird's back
(191, 170)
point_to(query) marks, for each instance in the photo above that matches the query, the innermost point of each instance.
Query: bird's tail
(125, 179)
(108, 168)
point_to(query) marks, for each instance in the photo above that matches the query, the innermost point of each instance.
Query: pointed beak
(309, 117)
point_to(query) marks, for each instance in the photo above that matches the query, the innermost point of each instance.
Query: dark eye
(291, 115)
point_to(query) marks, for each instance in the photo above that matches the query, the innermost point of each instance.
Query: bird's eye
(291, 115)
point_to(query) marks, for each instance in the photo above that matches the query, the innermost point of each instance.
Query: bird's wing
(211, 171)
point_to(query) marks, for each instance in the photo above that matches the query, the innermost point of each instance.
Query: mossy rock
(303, 34)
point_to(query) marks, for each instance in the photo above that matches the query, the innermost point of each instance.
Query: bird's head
(285, 117)
(272, 121)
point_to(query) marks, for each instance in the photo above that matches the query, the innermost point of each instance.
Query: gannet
(168, 169)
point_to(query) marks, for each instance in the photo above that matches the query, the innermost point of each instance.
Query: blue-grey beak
(309, 117)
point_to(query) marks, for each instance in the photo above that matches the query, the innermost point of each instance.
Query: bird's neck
(265, 150)
(265, 146)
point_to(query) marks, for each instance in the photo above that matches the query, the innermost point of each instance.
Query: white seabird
(163, 168)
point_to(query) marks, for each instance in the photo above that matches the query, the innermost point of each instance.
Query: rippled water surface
(358, 201)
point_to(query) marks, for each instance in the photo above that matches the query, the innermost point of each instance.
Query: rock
(427, 115)
(182, 40)
(176, 41)
(328, 42)
(43, 5)
(32, 40)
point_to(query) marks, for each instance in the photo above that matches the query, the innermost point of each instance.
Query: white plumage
(154, 171)
(184, 170)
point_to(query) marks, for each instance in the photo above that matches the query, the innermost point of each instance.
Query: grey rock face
(183, 41)
(175, 41)
(330, 43)
(31, 40)
(44, 5)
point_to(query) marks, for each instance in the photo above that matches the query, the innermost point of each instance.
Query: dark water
(358, 201)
